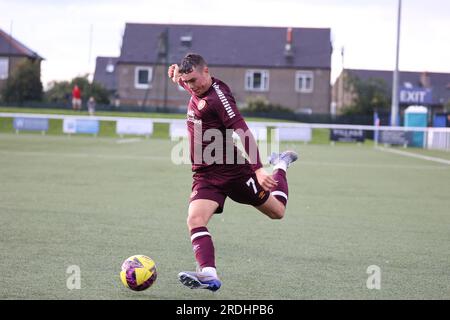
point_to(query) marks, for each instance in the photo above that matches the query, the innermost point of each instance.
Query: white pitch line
(414, 155)
(373, 166)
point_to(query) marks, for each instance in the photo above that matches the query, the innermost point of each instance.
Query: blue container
(440, 120)
(416, 116)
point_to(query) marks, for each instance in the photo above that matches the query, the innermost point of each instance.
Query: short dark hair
(190, 62)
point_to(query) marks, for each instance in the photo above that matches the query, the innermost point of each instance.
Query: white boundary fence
(434, 138)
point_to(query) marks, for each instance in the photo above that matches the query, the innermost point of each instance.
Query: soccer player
(211, 112)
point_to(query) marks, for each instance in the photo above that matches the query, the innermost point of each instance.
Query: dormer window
(186, 41)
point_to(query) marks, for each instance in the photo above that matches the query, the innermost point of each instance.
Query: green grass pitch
(92, 202)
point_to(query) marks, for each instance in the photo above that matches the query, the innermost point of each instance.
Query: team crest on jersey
(201, 104)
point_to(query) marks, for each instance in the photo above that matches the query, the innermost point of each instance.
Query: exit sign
(416, 95)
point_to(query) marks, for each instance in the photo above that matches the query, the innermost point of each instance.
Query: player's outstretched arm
(174, 73)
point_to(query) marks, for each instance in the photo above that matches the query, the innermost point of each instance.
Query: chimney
(425, 80)
(289, 35)
(288, 50)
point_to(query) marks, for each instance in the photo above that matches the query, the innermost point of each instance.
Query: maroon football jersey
(208, 118)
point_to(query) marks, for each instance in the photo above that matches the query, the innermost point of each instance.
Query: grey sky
(60, 30)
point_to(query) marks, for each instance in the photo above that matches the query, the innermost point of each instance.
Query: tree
(61, 92)
(369, 95)
(24, 84)
(259, 105)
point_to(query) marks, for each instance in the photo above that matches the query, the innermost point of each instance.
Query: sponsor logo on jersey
(201, 104)
(262, 194)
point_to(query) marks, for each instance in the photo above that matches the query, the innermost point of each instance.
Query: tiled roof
(105, 72)
(228, 45)
(11, 47)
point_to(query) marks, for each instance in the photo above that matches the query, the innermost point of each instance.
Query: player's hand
(174, 73)
(266, 181)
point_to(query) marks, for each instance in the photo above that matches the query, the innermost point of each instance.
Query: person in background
(76, 98)
(91, 106)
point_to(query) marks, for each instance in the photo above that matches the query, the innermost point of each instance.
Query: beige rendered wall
(281, 88)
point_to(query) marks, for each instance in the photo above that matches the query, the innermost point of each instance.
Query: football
(138, 272)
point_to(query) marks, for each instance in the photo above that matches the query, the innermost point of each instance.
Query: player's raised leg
(281, 162)
(200, 211)
(275, 206)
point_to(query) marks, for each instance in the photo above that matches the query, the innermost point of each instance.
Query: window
(304, 81)
(143, 77)
(110, 67)
(257, 80)
(186, 41)
(4, 68)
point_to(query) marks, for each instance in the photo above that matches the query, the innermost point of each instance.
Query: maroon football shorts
(243, 189)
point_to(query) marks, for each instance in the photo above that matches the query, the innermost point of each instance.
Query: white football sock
(210, 271)
(280, 165)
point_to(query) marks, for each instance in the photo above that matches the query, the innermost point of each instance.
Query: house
(286, 66)
(12, 53)
(415, 88)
